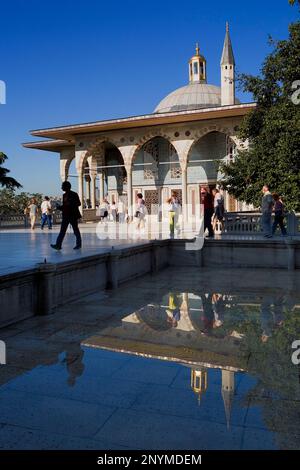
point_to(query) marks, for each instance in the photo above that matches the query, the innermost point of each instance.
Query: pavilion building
(178, 147)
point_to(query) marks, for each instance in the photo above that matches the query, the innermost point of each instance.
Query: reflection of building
(227, 392)
(199, 382)
(177, 147)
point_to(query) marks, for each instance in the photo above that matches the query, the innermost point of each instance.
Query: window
(195, 68)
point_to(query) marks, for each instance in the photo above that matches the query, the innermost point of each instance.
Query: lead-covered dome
(192, 96)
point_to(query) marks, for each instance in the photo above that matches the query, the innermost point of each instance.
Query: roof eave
(68, 132)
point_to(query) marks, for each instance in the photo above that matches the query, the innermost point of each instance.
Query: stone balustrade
(249, 223)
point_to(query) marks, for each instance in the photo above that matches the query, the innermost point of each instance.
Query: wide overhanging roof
(65, 135)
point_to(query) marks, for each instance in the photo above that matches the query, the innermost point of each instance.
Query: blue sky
(67, 62)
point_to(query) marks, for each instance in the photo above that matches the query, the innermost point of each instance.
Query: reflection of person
(208, 314)
(70, 215)
(268, 319)
(218, 306)
(74, 364)
(173, 309)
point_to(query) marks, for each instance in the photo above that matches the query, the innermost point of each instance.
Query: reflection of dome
(155, 317)
(192, 96)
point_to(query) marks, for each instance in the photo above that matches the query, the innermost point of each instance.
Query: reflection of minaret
(227, 392)
(199, 382)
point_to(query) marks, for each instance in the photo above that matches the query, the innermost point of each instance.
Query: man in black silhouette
(70, 215)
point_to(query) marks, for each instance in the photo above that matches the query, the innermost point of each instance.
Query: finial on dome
(197, 49)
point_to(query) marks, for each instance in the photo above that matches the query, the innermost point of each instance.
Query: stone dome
(192, 96)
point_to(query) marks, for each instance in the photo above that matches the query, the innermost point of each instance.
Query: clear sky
(68, 61)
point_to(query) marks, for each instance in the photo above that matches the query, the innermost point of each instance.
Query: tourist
(140, 213)
(121, 211)
(70, 215)
(113, 210)
(218, 209)
(104, 208)
(46, 210)
(279, 215)
(32, 211)
(266, 209)
(207, 203)
(174, 210)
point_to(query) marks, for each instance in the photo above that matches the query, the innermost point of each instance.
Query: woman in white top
(140, 212)
(104, 208)
(218, 209)
(33, 210)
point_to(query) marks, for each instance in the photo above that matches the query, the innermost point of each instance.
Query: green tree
(272, 128)
(7, 181)
(11, 203)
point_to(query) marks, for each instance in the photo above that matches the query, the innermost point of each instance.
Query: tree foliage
(6, 181)
(272, 128)
(11, 203)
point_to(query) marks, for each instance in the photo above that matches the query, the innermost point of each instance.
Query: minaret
(197, 67)
(227, 72)
(227, 392)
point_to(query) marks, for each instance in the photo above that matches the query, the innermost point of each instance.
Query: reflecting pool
(181, 360)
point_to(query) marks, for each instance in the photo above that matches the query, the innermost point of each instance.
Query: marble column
(184, 193)
(88, 187)
(129, 190)
(81, 191)
(93, 191)
(101, 186)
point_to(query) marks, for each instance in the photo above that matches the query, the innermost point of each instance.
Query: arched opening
(108, 170)
(114, 173)
(72, 174)
(204, 160)
(156, 173)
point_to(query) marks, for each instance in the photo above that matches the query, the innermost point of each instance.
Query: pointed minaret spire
(227, 54)
(227, 71)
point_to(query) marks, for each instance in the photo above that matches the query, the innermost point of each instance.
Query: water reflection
(239, 333)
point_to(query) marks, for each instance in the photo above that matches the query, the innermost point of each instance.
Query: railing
(249, 223)
(23, 221)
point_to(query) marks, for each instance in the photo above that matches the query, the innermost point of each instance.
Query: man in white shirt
(46, 213)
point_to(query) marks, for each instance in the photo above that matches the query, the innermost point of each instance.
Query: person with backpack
(278, 215)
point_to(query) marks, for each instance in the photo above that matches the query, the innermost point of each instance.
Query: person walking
(174, 208)
(266, 209)
(218, 209)
(32, 210)
(121, 211)
(46, 210)
(140, 213)
(70, 215)
(114, 211)
(207, 204)
(279, 215)
(104, 208)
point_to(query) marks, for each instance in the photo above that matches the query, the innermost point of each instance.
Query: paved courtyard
(113, 370)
